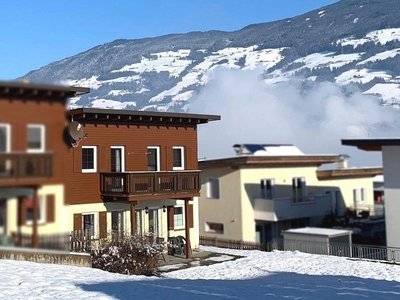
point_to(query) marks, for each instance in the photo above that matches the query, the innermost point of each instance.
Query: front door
(153, 222)
(117, 223)
(3, 216)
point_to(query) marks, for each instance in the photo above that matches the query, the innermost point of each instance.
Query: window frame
(42, 138)
(208, 187)
(178, 227)
(95, 222)
(8, 136)
(263, 180)
(122, 157)
(157, 157)
(303, 188)
(359, 199)
(182, 167)
(209, 230)
(94, 170)
(42, 210)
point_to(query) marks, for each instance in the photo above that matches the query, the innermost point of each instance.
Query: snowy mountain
(354, 43)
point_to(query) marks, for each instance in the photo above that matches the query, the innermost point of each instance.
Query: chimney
(343, 161)
(238, 149)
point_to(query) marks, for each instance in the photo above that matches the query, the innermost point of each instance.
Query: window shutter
(77, 221)
(77, 160)
(190, 216)
(170, 212)
(103, 224)
(50, 209)
(188, 158)
(21, 211)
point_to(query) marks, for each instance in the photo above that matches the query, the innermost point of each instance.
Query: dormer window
(36, 138)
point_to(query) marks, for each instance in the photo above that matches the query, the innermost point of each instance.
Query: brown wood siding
(50, 209)
(77, 221)
(102, 224)
(85, 187)
(52, 114)
(170, 214)
(21, 211)
(190, 216)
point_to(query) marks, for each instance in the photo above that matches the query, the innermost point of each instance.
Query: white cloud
(314, 119)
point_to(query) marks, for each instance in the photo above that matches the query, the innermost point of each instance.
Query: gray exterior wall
(391, 170)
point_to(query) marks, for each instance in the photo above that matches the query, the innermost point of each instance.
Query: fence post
(241, 244)
(216, 242)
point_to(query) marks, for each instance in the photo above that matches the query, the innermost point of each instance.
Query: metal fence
(365, 252)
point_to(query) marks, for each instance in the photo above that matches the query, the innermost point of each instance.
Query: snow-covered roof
(328, 232)
(268, 149)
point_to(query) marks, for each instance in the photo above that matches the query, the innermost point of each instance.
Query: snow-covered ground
(260, 275)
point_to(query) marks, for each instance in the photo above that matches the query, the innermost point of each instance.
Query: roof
(349, 173)
(268, 149)
(371, 144)
(98, 115)
(268, 161)
(327, 232)
(38, 91)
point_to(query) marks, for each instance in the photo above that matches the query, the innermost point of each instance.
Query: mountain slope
(352, 42)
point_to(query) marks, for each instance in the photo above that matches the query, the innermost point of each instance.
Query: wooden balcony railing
(18, 165)
(142, 183)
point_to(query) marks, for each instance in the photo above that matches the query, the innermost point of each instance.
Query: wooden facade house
(33, 156)
(135, 171)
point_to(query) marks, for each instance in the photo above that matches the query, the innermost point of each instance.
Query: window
(29, 210)
(36, 138)
(117, 159)
(359, 195)
(89, 223)
(213, 188)
(267, 188)
(178, 158)
(89, 159)
(179, 217)
(214, 227)
(153, 158)
(299, 189)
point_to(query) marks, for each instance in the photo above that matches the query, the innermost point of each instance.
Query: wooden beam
(35, 236)
(133, 218)
(187, 230)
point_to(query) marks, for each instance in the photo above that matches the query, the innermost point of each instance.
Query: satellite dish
(76, 131)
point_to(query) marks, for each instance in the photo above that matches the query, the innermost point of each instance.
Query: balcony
(279, 209)
(151, 185)
(19, 168)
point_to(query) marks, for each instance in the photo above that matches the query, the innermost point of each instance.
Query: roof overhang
(22, 89)
(348, 173)
(268, 161)
(117, 116)
(371, 144)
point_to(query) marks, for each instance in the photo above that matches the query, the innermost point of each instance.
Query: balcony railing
(25, 165)
(147, 183)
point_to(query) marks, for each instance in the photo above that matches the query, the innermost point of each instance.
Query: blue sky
(35, 33)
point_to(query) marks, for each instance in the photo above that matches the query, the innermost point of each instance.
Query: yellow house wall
(162, 217)
(226, 209)
(59, 226)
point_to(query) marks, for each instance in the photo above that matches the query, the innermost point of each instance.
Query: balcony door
(153, 158)
(5, 147)
(118, 166)
(117, 159)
